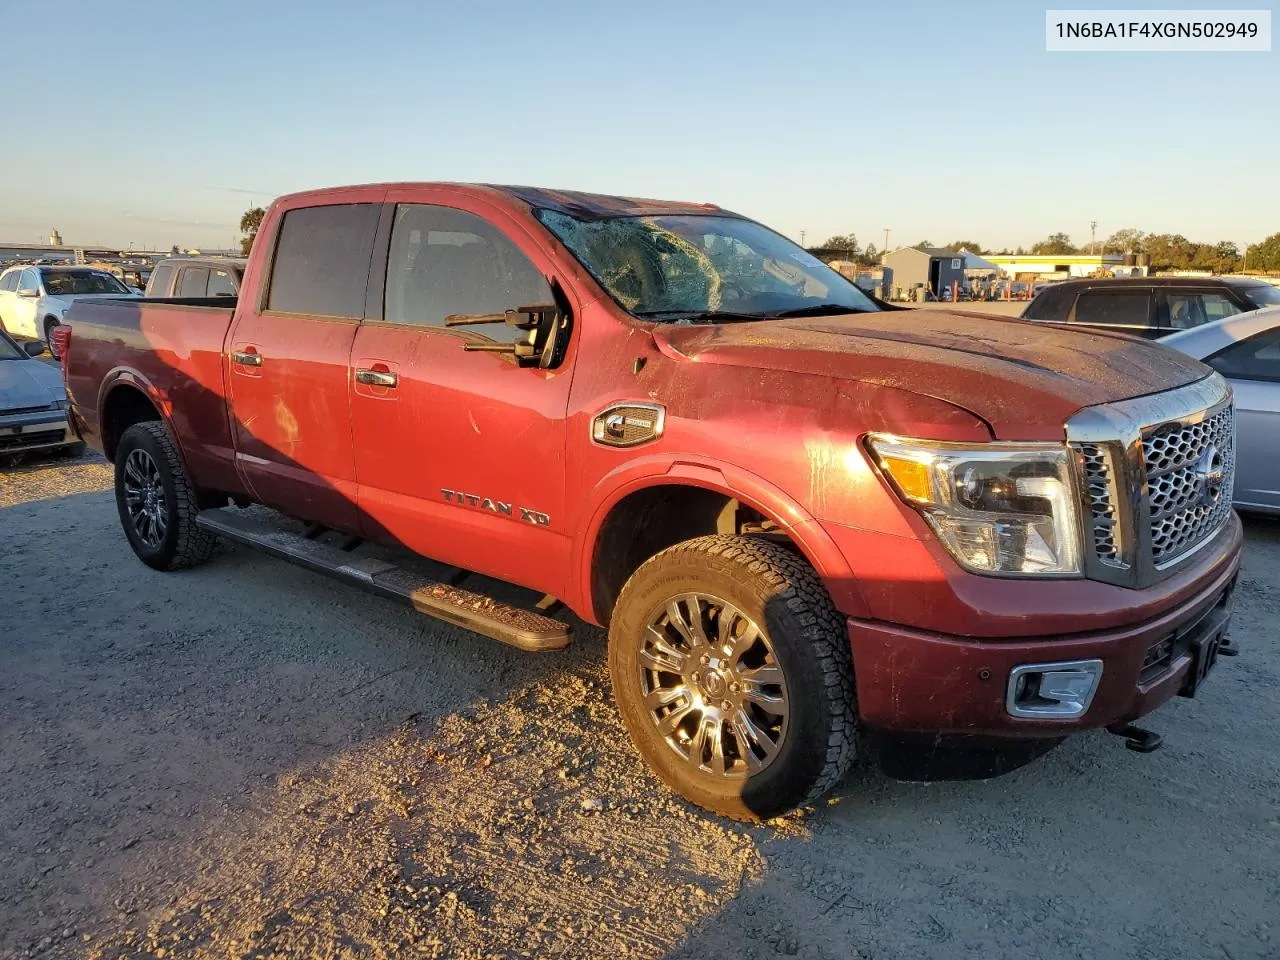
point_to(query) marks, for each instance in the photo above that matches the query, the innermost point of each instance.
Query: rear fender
(128, 378)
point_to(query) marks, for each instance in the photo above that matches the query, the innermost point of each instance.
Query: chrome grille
(1143, 466)
(1099, 488)
(1181, 515)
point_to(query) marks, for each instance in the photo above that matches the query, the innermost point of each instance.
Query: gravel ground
(248, 760)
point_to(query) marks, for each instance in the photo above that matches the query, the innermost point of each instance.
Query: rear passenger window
(446, 261)
(10, 280)
(1130, 308)
(1049, 304)
(1190, 309)
(321, 264)
(220, 284)
(193, 282)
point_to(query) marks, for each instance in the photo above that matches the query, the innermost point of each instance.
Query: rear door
(1253, 367)
(460, 455)
(288, 360)
(8, 294)
(1128, 310)
(193, 281)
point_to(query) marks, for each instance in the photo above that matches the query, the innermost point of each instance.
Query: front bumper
(37, 430)
(913, 681)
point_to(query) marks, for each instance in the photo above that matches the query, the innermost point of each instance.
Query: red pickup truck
(800, 515)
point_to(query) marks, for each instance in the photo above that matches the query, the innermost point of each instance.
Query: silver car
(33, 404)
(1246, 350)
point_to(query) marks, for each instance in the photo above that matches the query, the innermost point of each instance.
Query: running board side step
(525, 629)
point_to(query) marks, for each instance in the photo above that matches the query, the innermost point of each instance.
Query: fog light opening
(1053, 690)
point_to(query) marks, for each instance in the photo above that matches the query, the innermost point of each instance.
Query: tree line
(1168, 251)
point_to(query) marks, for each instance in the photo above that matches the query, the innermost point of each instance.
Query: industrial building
(1063, 266)
(932, 269)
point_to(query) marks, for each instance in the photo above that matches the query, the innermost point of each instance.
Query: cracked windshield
(704, 267)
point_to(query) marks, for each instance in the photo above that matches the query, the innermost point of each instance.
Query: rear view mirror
(33, 348)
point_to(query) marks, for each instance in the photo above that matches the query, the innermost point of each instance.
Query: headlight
(1000, 508)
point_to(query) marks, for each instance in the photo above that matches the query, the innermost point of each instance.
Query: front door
(21, 311)
(460, 455)
(287, 364)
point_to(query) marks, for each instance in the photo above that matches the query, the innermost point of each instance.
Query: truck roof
(575, 203)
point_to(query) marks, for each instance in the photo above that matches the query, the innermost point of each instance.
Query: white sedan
(1246, 350)
(34, 299)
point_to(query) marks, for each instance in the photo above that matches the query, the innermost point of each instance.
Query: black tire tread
(194, 545)
(798, 587)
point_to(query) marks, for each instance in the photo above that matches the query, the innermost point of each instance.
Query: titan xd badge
(474, 500)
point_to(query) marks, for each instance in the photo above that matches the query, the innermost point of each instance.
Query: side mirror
(547, 324)
(29, 292)
(33, 348)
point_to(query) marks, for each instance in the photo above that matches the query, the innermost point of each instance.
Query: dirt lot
(248, 760)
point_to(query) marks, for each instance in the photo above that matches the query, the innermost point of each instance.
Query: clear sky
(155, 124)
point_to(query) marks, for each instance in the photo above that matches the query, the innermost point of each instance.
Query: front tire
(156, 501)
(732, 671)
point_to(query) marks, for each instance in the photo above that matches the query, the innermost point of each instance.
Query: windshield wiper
(701, 316)
(821, 310)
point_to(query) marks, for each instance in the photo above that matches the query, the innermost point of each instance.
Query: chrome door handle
(246, 359)
(376, 378)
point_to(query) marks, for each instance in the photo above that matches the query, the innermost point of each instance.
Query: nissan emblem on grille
(1209, 474)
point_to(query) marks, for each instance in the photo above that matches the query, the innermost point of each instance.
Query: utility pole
(886, 239)
(1093, 235)
(802, 238)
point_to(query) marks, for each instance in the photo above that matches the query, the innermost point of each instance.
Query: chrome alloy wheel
(712, 686)
(144, 497)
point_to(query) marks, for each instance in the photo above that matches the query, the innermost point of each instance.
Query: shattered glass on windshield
(677, 265)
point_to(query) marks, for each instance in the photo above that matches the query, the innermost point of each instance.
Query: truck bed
(171, 349)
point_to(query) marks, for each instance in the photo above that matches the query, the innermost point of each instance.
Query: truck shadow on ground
(248, 758)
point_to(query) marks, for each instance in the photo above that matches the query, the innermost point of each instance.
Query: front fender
(732, 481)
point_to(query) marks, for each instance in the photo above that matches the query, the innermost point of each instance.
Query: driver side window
(444, 261)
(30, 280)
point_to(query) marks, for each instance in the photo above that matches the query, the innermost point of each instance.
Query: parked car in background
(1150, 307)
(1246, 350)
(33, 402)
(196, 277)
(33, 300)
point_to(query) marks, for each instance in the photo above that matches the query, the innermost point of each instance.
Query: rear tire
(156, 501)
(50, 324)
(774, 721)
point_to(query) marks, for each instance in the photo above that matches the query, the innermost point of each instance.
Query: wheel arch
(126, 398)
(617, 539)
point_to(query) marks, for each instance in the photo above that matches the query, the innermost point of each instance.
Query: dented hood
(1024, 379)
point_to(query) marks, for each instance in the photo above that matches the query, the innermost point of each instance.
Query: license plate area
(1204, 649)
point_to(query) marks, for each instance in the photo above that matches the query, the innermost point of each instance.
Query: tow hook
(1136, 738)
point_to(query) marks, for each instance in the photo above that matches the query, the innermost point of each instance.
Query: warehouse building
(933, 269)
(1063, 266)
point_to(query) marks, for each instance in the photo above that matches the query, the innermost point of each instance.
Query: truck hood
(28, 383)
(1024, 379)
